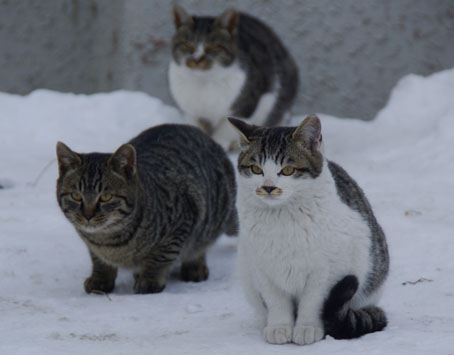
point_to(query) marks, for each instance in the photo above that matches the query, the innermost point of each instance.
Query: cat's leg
(246, 274)
(102, 277)
(280, 314)
(275, 305)
(195, 270)
(253, 294)
(309, 328)
(153, 274)
(155, 267)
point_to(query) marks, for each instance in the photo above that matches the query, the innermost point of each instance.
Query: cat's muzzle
(268, 191)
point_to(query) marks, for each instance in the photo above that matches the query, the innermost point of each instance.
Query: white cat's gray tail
(342, 322)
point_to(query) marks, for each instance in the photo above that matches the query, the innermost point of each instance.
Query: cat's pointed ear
(67, 159)
(123, 161)
(310, 132)
(181, 17)
(229, 20)
(244, 130)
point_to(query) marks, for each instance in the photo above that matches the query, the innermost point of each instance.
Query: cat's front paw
(305, 334)
(280, 334)
(143, 285)
(93, 285)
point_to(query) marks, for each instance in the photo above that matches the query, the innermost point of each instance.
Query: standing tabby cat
(166, 195)
(230, 65)
(312, 255)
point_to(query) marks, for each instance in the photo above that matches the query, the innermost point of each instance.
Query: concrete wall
(66, 45)
(350, 53)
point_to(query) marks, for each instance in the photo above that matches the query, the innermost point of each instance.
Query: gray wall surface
(350, 53)
(61, 44)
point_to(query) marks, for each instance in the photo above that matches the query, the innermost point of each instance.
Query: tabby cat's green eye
(76, 196)
(106, 197)
(287, 170)
(256, 170)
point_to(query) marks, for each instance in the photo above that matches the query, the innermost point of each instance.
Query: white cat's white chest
(206, 94)
(289, 245)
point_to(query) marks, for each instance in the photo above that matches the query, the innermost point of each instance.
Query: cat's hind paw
(304, 335)
(281, 334)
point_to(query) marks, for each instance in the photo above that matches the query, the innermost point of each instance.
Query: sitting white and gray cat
(312, 256)
(232, 64)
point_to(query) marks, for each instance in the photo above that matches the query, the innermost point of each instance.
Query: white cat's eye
(105, 197)
(76, 196)
(288, 170)
(187, 47)
(256, 170)
(212, 49)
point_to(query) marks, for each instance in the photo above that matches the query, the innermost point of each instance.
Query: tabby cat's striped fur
(165, 196)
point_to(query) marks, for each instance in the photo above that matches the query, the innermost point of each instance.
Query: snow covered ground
(404, 160)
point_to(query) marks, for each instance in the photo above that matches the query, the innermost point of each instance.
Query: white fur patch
(207, 94)
(210, 95)
(199, 52)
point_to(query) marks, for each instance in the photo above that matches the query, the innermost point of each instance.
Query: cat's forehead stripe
(202, 25)
(274, 144)
(92, 174)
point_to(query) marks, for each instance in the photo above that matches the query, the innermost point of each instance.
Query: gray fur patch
(353, 196)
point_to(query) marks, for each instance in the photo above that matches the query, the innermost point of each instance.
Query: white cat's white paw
(280, 334)
(304, 334)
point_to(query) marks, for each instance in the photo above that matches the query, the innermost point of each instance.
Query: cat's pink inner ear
(309, 131)
(181, 17)
(229, 20)
(123, 161)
